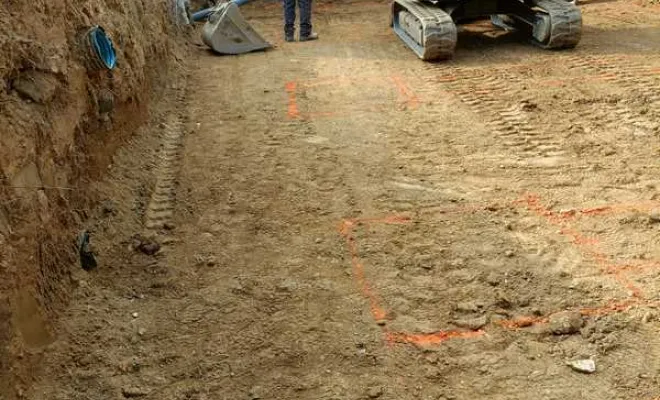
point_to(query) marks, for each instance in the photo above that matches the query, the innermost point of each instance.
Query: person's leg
(306, 20)
(289, 19)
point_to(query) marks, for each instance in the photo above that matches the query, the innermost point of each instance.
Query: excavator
(427, 27)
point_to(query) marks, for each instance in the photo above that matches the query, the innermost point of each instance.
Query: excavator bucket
(227, 32)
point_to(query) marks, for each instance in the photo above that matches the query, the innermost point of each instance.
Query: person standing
(305, 8)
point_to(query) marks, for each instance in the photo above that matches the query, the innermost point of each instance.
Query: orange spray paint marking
(411, 98)
(431, 338)
(379, 313)
(292, 110)
(533, 203)
(346, 230)
(583, 243)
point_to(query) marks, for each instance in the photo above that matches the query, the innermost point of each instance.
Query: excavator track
(560, 26)
(427, 30)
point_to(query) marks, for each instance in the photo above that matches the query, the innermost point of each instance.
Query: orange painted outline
(291, 87)
(533, 204)
(377, 311)
(292, 109)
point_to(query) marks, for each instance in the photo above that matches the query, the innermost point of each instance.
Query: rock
(106, 101)
(108, 207)
(472, 323)
(145, 245)
(142, 331)
(565, 323)
(648, 317)
(527, 105)
(135, 315)
(509, 253)
(37, 86)
(288, 285)
(654, 216)
(132, 392)
(255, 393)
(493, 279)
(503, 302)
(375, 392)
(585, 366)
(466, 307)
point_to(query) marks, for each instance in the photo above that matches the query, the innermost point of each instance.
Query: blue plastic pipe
(202, 15)
(102, 47)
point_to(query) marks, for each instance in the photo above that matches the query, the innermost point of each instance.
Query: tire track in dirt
(487, 94)
(627, 75)
(161, 206)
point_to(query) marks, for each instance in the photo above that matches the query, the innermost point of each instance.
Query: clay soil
(348, 222)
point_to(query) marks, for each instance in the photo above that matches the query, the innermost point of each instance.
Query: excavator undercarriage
(428, 27)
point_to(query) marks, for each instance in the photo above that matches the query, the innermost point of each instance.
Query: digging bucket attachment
(227, 32)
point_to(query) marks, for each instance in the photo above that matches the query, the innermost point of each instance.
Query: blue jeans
(305, 7)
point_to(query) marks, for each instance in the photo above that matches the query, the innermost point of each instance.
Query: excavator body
(429, 27)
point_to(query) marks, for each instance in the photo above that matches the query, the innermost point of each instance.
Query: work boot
(311, 36)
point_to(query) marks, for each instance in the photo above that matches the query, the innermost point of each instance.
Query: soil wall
(60, 123)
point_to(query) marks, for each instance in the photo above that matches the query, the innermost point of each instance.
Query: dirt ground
(340, 220)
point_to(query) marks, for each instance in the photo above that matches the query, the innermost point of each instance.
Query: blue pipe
(102, 47)
(202, 15)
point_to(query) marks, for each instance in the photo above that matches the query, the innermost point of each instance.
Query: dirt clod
(467, 307)
(472, 323)
(133, 392)
(375, 392)
(37, 86)
(145, 245)
(565, 323)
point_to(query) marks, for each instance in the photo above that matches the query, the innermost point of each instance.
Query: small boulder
(565, 323)
(585, 366)
(472, 323)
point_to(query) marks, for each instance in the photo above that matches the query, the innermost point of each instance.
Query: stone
(255, 393)
(145, 245)
(106, 101)
(493, 279)
(472, 323)
(133, 392)
(585, 366)
(565, 322)
(375, 392)
(37, 86)
(108, 207)
(135, 315)
(654, 216)
(466, 307)
(648, 317)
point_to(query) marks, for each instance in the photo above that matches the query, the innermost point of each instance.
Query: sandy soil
(343, 221)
